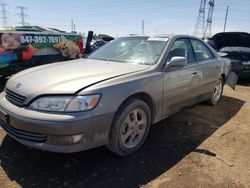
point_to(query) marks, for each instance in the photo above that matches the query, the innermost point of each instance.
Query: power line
(4, 13)
(113, 6)
(23, 15)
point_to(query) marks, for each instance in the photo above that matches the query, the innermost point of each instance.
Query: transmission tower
(208, 30)
(4, 13)
(22, 15)
(200, 23)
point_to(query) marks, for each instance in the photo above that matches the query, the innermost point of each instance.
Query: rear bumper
(56, 135)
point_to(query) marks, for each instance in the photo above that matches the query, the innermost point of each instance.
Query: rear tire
(130, 127)
(217, 92)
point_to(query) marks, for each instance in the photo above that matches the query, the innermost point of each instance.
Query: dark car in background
(236, 46)
(99, 41)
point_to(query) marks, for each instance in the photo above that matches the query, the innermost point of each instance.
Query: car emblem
(18, 85)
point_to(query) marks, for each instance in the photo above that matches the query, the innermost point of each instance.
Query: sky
(124, 17)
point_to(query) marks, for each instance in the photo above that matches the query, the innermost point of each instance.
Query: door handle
(194, 73)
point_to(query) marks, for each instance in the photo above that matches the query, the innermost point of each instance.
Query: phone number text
(40, 39)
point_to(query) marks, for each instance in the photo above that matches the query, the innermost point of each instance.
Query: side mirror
(222, 54)
(177, 61)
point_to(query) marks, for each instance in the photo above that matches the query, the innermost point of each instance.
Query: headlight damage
(66, 103)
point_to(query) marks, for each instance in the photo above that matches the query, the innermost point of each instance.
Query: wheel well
(145, 98)
(224, 77)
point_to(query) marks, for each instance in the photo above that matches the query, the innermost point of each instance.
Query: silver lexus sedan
(113, 96)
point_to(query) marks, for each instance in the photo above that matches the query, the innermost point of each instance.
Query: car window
(201, 51)
(181, 47)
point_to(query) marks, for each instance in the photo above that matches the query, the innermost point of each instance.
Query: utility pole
(4, 12)
(142, 27)
(200, 23)
(72, 25)
(22, 15)
(225, 24)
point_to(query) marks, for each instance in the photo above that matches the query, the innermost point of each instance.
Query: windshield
(136, 50)
(235, 49)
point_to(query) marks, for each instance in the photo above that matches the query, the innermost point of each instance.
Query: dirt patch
(222, 160)
(202, 146)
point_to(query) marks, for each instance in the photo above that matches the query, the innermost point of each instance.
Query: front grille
(14, 97)
(24, 135)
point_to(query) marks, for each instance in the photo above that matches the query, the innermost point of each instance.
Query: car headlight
(66, 103)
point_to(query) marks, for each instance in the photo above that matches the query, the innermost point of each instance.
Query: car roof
(164, 36)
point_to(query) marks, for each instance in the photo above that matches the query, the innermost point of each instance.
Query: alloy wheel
(133, 128)
(217, 90)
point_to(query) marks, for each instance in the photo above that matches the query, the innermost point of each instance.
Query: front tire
(217, 92)
(130, 127)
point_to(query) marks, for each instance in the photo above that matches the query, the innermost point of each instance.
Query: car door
(180, 84)
(208, 64)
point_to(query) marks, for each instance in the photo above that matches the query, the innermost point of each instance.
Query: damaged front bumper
(232, 80)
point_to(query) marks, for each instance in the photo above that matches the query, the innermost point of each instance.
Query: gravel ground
(201, 146)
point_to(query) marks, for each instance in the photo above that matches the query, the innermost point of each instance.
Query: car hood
(229, 39)
(67, 77)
